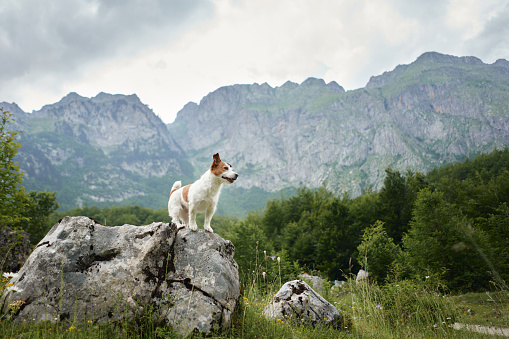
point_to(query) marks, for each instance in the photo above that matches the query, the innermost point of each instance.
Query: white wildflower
(10, 275)
(278, 260)
(13, 289)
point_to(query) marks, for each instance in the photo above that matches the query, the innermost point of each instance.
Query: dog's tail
(176, 186)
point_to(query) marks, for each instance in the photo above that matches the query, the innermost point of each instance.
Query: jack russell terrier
(202, 195)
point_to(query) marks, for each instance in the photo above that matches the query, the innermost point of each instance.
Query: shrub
(377, 251)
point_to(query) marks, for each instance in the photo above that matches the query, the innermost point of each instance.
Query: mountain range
(112, 149)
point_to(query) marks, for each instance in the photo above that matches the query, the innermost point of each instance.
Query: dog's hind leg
(174, 215)
(184, 216)
(176, 221)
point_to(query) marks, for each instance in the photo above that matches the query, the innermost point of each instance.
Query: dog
(202, 195)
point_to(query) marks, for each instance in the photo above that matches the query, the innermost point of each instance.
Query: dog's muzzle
(231, 180)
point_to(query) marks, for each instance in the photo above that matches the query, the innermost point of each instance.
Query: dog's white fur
(202, 195)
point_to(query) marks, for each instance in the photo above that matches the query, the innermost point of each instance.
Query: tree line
(451, 223)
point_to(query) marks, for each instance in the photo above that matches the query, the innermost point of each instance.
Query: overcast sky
(170, 52)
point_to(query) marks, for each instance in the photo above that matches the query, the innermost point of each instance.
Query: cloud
(173, 52)
(59, 35)
(50, 42)
(492, 42)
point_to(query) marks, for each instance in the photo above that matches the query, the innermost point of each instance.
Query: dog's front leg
(208, 218)
(192, 217)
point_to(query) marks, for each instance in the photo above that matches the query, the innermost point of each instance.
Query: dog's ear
(217, 160)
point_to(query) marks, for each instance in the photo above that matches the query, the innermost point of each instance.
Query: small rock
(338, 284)
(314, 280)
(362, 276)
(296, 301)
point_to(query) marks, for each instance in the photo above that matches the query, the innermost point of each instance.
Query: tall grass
(400, 309)
(258, 288)
(405, 309)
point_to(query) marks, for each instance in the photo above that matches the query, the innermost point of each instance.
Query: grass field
(488, 309)
(405, 309)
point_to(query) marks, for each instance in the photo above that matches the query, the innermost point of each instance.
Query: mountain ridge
(95, 150)
(435, 110)
(353, 135)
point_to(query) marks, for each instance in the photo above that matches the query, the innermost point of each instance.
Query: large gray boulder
(296, 301)
(86, 271)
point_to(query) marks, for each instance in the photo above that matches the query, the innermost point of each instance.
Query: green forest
(452, 223)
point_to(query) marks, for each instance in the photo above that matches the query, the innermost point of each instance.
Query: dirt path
(491, 330)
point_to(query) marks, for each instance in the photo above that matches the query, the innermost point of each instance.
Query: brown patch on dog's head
(223, 170)
(218, 166)
(185, 193)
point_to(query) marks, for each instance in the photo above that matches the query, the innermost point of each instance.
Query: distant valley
(112, 149)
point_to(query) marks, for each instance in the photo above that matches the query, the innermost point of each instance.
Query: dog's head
(223, 170)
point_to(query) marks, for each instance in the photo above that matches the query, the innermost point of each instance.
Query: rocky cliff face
(438, 109)
(103, 149)
(110, 123)
(112, 148)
